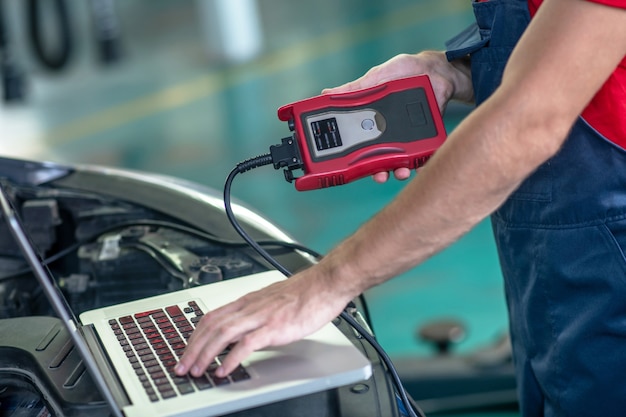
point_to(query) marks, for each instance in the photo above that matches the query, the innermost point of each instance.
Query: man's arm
(568, 51)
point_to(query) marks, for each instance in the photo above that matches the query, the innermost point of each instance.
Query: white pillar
(232, 29)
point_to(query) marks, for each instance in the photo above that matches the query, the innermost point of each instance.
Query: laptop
(130, 349)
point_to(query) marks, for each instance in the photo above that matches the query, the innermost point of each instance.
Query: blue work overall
(561, 240)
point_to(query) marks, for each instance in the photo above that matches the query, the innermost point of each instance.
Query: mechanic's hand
(449, 80)
(276, 315)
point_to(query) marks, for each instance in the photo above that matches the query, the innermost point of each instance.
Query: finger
(215, 331)
(241, 350)
(381, 177)
(212, 344)
(202, 362)
(402, 173)
(199, 354)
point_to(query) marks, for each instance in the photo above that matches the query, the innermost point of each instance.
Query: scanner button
(367, 124)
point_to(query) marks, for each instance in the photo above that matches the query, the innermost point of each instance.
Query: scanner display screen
(326, 134)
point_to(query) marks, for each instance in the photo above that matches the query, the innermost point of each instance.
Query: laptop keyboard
(154, 341)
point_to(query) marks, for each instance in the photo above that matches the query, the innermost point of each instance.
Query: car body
(110, 235)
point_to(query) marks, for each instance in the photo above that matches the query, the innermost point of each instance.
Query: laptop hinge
(104, 364)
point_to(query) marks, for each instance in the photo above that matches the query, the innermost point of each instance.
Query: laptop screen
(54, 295)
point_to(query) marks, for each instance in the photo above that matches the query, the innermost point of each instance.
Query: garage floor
(175, 105)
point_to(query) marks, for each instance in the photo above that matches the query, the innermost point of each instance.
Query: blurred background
(190, 88)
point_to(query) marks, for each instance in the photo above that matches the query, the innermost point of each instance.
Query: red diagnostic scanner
(346, 136)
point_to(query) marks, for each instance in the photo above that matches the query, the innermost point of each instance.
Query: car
(111, 235)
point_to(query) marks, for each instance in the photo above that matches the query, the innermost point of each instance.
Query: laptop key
(202, 382)
(179, 379)
(168, 394)
(220, 381)
(152, 395)
(147, 358)
(239, 374)
(144, 352)
(146, 313)
(151, 363)
(174, 311)
(157, 375)
(154, 369)
(185, 388)
(138, 341)
(141, 346)
(162, 383)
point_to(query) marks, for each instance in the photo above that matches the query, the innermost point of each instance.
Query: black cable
(240, 168)
(411, 407)
(52, 59)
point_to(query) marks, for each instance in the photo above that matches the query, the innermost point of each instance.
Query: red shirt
(607, 110)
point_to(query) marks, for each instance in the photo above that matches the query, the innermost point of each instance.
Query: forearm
(468, 178)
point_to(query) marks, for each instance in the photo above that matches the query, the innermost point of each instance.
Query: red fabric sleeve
(613, 3)
(606, 111)
(533, 5)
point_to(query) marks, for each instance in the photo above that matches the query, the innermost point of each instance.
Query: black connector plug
(286, 155)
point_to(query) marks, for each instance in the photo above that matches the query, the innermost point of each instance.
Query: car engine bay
(108, 251)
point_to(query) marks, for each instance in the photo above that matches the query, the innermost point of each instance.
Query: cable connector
(286, 155)
(257, 161)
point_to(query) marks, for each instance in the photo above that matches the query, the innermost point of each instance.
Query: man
(555, 186)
